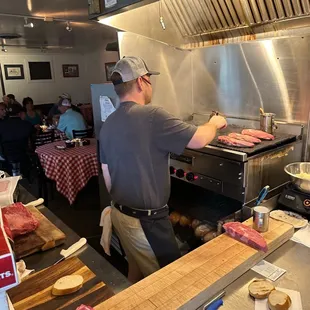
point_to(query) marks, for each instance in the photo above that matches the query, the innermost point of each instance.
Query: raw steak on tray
(247, 235)
(258, 134)
(18, 220)
(234, 142)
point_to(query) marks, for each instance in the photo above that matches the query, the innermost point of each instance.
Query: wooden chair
(87, 133)
(44, 138)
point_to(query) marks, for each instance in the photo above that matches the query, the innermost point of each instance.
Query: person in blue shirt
(69, 119)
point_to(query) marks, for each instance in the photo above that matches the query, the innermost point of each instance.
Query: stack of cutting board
(193, 279)
(45, 237)
(35, 291)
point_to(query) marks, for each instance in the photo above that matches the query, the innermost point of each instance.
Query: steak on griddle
(242, 137)
(258, 134)
(234, 142)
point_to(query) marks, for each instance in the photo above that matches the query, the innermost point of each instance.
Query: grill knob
(190, 176)
(180, 173)
(172, 170)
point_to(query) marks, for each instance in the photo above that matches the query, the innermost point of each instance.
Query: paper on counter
(262, 304)
(302, 236)
(22, 270)
(268, 270)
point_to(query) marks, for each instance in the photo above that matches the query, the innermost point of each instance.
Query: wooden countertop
(193, 279)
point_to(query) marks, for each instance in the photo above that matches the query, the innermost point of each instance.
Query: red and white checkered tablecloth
(71, 168)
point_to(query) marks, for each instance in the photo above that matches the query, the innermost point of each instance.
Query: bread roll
(278, 300)
(185, 220)
(174, 217)
(67, 285)
(209, 236)
(202, 230)
(260, 289)
(195, 223)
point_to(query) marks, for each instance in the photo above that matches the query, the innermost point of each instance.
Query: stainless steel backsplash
(235, 79)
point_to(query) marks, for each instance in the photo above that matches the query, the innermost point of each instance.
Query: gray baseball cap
(130, 68)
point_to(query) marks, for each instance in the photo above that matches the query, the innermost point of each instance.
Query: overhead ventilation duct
(195, 23)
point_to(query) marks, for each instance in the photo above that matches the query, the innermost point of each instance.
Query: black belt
(139, 213)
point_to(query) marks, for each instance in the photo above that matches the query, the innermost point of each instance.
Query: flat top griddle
(280, 139)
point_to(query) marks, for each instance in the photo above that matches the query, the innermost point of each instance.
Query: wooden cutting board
(45, 237)
(35, 291)
(196, 277)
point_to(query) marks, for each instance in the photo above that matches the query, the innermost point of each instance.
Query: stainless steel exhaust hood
(197, 23)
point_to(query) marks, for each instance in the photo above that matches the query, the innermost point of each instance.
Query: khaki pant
(140, 255)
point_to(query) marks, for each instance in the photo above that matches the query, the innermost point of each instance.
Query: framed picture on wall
(109, 66)
(14, 72)
(70, 70)
(40, 70)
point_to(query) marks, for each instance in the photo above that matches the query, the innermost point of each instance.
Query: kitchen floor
(83, 217)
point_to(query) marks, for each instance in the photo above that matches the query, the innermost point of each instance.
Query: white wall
(91, 71)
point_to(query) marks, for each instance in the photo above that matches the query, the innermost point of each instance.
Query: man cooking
(135, 142)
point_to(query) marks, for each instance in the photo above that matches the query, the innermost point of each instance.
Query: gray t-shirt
(135, 142)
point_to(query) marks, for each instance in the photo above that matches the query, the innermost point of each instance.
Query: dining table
(70, 168)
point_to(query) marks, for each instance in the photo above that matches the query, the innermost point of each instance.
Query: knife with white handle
(72, 249)
(35, 203)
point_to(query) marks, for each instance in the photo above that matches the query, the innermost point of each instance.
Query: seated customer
(2, 111)
(54, 111)
(12, 97)
(15, 136)
(69, 119)
(31, 116)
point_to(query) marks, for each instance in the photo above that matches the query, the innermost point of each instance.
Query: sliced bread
(278, 300)
(67, 285)
(260, 289)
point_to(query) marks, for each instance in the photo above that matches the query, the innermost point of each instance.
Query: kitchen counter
(292, 257)
(95, 262)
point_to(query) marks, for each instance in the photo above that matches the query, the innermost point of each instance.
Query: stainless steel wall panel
(172, 89)
(238, 79)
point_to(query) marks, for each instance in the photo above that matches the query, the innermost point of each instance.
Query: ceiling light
(4, 49)
(28, 25)
(68, 27)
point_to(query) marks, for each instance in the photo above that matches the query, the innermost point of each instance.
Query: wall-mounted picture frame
(14, 72)
(70, 71)
(109, 66)
(40, 70)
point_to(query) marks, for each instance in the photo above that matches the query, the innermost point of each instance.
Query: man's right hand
(218, 121)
